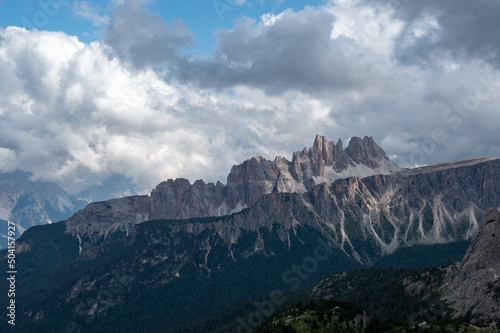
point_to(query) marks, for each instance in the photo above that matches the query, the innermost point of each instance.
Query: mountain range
(356, 197)
(161, 261)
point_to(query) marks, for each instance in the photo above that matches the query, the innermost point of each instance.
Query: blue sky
(202, 17)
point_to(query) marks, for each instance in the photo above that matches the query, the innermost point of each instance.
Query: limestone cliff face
(386, 212)
(180, 200)
(474, 288)
(468, 289)
(99, 219)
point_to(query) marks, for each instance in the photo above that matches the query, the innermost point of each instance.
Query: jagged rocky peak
(254, 169)
(324, 158)
(327, 148)
(360, 151)
(180, 185)
(474, 288)
(323, 148)
(321, 151)
(326, 161)
(175, 199)
(365, 151)
(280, 160)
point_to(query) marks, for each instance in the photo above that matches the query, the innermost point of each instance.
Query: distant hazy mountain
(28, 203)
(116, 186)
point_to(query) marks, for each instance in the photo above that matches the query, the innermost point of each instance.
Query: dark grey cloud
(465, 30)
(293, 52)
(140, 36)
